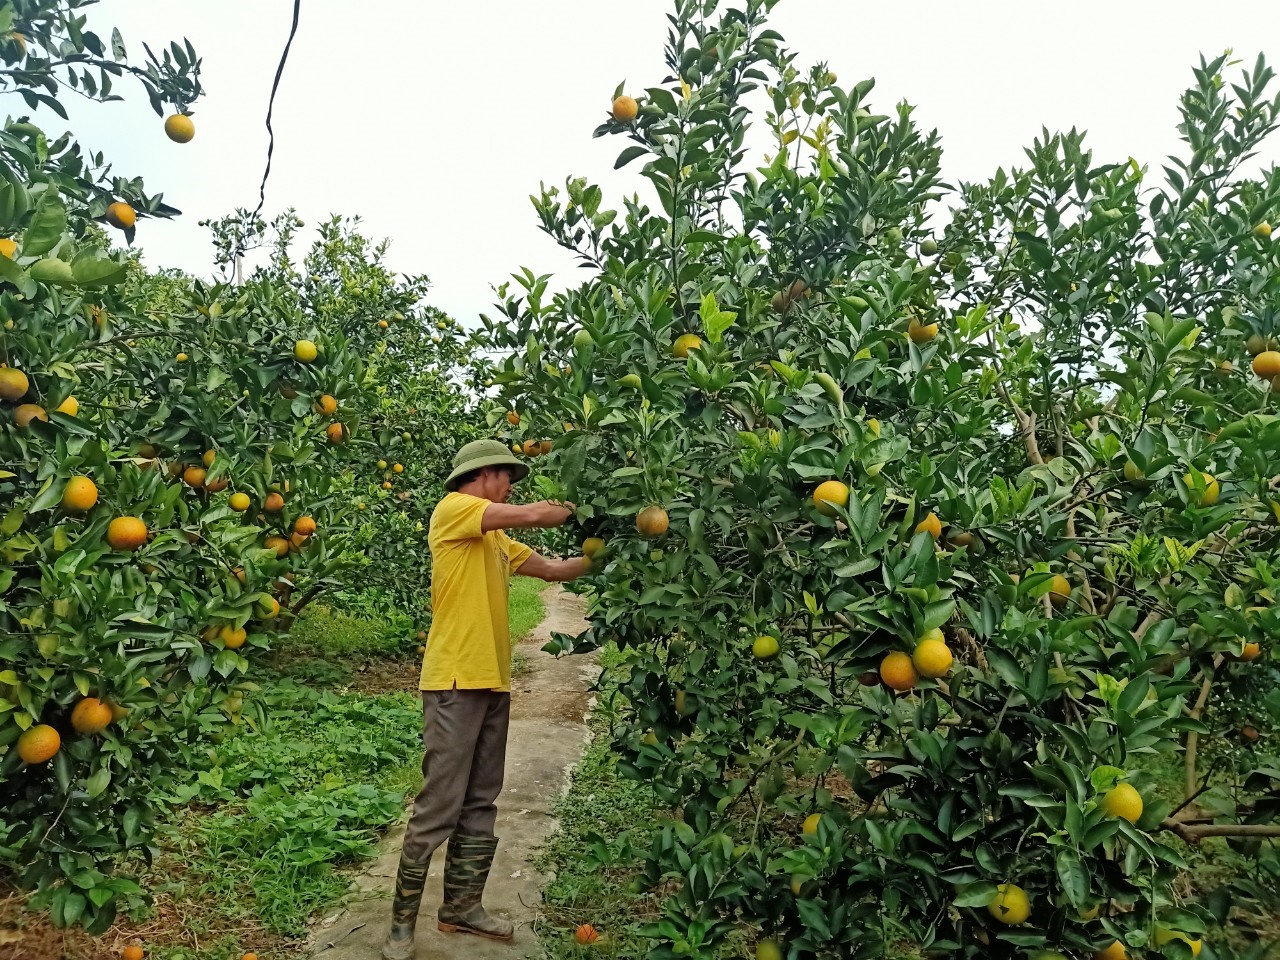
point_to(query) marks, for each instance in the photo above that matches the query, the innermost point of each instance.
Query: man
(466, 687)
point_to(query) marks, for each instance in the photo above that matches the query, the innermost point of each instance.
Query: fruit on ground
(13, 383)
(1059, 590)
(239, 502)
(586, 934)
(1164, 935)
(179, 128)
(897, 672)
(194, 477)
(686, 342)
(336, 432)
(79, 495)
(305, 351)
(24, 413)
(765, 648)
(274, 503)
(69, 406)
(38, 744)
(121, 215)
(591, 546)
(126, 533)
(930, 525)
(768, 950)
(932, 657)
(304, 526)
(1209, 496)
(1266, 364)
(625, 109)
(1123, 801)
(232, 637)
(1250, 651)
(1010, 905)
(810, 825)
(328, 405)
(90, 716)
(829, 495)
(1113, 951)
(652, 522)
(921, 332)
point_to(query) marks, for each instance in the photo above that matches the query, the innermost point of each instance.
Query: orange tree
(167, 475)
(930, 549)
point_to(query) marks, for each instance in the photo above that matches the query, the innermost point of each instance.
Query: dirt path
(549, 702)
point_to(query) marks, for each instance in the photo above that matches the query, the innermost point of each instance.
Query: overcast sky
(436, 121)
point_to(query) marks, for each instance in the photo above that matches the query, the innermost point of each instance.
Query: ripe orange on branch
(38, 744)
(652, 522)
(126, 533)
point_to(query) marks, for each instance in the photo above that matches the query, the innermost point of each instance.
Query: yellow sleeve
(517, 553)
(459, 517)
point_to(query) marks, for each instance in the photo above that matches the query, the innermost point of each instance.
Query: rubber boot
(466, 868)
(410, 879)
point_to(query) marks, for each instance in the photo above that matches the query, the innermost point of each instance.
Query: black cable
(271, 105)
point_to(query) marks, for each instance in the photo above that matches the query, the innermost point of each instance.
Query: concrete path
(549, 703)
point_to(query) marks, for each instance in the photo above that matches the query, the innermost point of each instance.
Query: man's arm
(525, 516)
(553, 571)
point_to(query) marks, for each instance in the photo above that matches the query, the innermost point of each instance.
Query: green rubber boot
(466, 868)
(410, 880)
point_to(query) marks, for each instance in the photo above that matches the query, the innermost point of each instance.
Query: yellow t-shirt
(469, 646)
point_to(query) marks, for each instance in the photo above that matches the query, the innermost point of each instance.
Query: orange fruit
(13, 383)
(652, 522)
(90, 716)
(304, 526)
(179, 128)
(897, 672)
(686, 342)
(930, 525)
(1266, 364)
(328, 405)
(232, 638)
(38, 744)
(921, 332)
(274, 503)
(239, 502)
(24, 413)
(194, 477)
(121, 215)
(279, 544)
(79, 495)
(336, 432)
(8, 248)
(126, 533)
(830, 494)
(625, 108)
(586, 933)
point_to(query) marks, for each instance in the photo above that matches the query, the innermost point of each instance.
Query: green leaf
(47, 225)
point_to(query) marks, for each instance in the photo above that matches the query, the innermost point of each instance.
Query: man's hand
(554, 571)
(526, 516)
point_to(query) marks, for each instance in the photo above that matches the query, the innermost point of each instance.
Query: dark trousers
(464, 735)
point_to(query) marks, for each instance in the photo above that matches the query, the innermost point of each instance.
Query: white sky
(435, 121)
